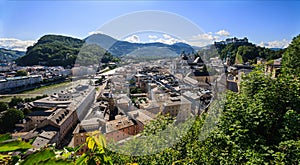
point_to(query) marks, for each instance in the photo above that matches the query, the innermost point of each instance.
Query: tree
(238, 59)
(289, 152)
(21, 73)
(291, 58)
(3, 106)
(15, 101)
(247, 53)
(10, 118)
(155, 126)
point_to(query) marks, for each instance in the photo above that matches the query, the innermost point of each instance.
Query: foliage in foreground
(49, 155)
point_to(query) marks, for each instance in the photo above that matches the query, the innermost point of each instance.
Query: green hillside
(52, 50)
(247, 52)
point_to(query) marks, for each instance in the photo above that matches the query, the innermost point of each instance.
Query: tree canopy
(249, 52)
(9, 119)
(3, 106)
(291, 58)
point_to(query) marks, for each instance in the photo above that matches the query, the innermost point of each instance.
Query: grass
(44, 89)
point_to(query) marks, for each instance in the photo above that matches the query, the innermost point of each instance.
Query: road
(19, 95)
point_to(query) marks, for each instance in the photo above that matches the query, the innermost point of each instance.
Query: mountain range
(62, 50)
(125, 48)
(53, 50)
(7, 55)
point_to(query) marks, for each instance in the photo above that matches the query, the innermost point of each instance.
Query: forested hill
(52, 50)
(248, 52)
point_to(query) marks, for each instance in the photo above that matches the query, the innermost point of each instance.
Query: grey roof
(40, 142)
(44, 138)
(59, 116)
(39, 113)
(48, 128)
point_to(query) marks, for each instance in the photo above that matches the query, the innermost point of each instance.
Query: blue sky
(266, 21)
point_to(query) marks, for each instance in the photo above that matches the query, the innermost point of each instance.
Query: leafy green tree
(291, 58)
(288, 152)
(108, 57)
(291, 127)
(3, 106)
(239, 59)
(15, 101)
(247, 52)
(160, 123)
(10, 118)
(254, 122)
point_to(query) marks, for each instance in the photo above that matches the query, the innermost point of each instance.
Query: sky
(266, 23)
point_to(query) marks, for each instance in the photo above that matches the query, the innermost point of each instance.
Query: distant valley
(54, 50)
(10, 55)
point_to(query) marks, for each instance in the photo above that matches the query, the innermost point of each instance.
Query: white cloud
(133, 39)
(203, 39)
(211, 36)
(15, 44)
(95, 32)
(275, 44)
(205, 36)
(167, 36)
(223, 33)
(208, 38)
(168, 41)
(152, 36)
